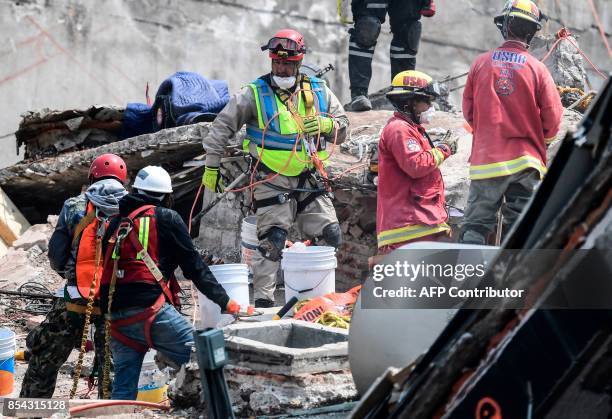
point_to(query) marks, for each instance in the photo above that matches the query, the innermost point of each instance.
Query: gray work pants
(310, 223)
(485, 199)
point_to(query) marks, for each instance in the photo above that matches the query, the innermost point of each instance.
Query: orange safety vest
(89, 253)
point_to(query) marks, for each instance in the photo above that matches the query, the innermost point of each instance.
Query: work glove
(318, 124)
(449, 143)
(232, 307)
(429, 11)
(212, 179)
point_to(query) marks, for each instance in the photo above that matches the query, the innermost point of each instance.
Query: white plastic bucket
(7, 361)
(152, 383)
(234, 278)
(248, 240)
(309, 272)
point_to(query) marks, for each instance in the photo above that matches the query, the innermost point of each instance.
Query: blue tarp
(191, 96)
(137, 120)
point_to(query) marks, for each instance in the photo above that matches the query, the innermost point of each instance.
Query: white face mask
(427, 116)
(284, 82)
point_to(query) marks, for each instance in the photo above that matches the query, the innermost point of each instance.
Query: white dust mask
(427, 116)
(284, 82)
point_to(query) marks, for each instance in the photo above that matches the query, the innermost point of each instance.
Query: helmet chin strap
(408, 110)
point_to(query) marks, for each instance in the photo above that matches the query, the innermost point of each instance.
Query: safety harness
(126, 231)
(308, 97)
(289, 194)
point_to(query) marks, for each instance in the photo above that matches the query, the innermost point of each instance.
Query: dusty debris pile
(48, 132)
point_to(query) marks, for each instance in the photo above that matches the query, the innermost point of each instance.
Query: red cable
(82, 408)
(195, 201)
(564, 34)
(600, 27)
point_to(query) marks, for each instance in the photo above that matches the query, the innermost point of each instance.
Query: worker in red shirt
(410, 204)
(513, 106)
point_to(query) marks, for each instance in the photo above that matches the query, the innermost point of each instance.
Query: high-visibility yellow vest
(283, 130)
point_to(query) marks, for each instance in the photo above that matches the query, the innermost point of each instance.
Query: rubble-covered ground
(26, 264)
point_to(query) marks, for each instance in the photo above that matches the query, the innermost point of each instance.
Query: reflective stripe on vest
(411, 232)
(143, 233)
(282, 129)
(506, 168)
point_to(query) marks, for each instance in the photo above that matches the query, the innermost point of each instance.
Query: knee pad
(271, 245)
(332, 235)
(409, 37)
(367, 29)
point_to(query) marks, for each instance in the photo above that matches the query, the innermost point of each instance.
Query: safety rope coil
(329, 318)
(88, 312)
(583, 101)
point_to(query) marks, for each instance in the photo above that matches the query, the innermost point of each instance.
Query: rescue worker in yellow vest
(291, 119)
(75, 255)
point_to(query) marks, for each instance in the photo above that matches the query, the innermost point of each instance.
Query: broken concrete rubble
(36, 184)
(39, 187)
(37, 235)
(47, 132)
(277, 367)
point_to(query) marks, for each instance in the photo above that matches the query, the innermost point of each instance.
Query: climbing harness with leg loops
(287, 194)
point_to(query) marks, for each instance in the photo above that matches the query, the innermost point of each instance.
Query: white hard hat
(153, 179)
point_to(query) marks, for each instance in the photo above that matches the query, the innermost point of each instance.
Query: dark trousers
(485, 199)
(406, 29)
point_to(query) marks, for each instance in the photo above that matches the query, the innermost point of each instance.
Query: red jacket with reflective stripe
(511, 102)
(410, 185)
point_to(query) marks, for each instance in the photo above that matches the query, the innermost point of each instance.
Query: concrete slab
(287, 347)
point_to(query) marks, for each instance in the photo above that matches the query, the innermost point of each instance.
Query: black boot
(263, 303)
(359, 101)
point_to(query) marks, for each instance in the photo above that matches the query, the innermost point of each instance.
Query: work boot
(359, 103)
(263, 303)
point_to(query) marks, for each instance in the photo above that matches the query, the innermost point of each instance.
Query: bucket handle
(306, 290)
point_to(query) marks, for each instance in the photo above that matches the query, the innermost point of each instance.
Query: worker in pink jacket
(513, 106)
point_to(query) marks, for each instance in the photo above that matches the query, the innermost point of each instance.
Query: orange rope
(252, 183)
(600, 27)
(350, 169)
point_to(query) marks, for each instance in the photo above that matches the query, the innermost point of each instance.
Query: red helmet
(108, 165)
(286, 44)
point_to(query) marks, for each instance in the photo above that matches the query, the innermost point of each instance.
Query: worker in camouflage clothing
(74, 254)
